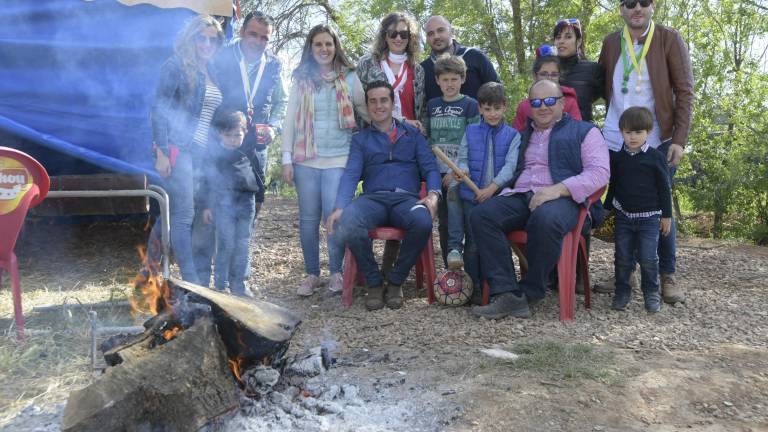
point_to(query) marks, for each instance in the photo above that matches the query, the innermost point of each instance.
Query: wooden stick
(468, 181)
(459, 173)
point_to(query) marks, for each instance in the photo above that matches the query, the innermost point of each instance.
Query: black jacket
(587, 78)
(230, 171)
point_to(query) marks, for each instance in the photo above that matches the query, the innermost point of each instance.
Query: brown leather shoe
(609, 286)
(670, 292)
(375, 298)
(394, 297)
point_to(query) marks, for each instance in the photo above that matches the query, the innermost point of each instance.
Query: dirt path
(702, 366)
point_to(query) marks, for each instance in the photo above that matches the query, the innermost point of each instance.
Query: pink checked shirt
(536, 175)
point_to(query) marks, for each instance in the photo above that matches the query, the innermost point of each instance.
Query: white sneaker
(307, 287)
(455, 260)
(336, 283)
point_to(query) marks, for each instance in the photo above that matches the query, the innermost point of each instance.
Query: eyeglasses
(203, 39)
(548, 75)
(630, 4)
(548, 101)
(404, 34)
(574, 22)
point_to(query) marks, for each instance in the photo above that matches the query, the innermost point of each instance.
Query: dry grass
(61, 265)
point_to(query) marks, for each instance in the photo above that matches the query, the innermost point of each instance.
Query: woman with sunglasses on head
(546, 67)
(186, 98)
(317, 134)
(585, 77)
(393, 59)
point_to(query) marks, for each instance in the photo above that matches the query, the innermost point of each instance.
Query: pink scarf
(304, 147)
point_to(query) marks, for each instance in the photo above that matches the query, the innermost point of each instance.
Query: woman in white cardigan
(317, 132)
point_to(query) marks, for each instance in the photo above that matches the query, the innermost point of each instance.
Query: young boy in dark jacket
(641, 194)
(231, 183)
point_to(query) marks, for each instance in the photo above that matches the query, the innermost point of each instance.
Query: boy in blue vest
(448, 117)
(641, 194)
(488, 154)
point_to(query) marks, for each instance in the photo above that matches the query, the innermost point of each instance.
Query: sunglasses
(548, 75)
(630, 4)
(404, 34)
(548, 101)
(574, 22)
(212, 40)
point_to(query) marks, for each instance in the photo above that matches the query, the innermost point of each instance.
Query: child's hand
(666, 226)
(487, 192)
(207, 216)
(447, 178)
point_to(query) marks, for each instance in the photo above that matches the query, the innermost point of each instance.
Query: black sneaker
(652, 302)
(504, 305)
(620, 302)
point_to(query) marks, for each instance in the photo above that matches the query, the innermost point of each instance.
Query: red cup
(262, 132)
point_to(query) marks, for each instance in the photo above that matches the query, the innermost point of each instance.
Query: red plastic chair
(12, 221)
(425, 265)
(574, 244)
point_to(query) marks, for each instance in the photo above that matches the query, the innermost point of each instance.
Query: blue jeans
(636, 239)
(395, 209)
(180, 186)
(203, 246)
(667, 244)
(234, 222)
(261, 155)
(317, 195)
(455, 206)
(546, 227)
(471, 259)
(442, 223)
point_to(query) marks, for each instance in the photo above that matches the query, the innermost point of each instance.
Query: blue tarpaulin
(77, 78)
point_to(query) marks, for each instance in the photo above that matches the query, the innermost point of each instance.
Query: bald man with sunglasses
(563, 162)
(648, 65)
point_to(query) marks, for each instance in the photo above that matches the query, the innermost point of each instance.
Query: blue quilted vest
(564, 148)
(477, 139)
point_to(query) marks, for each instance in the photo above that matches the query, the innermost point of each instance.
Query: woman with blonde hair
(317, 133)
(393, 58)
(186, 98)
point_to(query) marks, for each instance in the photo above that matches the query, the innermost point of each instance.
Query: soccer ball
(452, 288)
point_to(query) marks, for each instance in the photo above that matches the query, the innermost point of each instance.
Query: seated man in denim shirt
(391, 158)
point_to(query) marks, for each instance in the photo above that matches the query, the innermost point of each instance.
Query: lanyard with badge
(634, 63)
(249, 91)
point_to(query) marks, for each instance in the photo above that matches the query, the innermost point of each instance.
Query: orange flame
(236, 366)
(151, 293)
(170, 334)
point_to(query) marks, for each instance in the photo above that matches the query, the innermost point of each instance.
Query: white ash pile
(301, 398)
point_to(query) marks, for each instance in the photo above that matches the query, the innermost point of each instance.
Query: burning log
(178, 386)
(176, 375)
(254, 332)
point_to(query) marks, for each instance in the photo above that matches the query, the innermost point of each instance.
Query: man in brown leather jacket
(648, 65)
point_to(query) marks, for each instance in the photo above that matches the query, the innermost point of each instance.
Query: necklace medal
(628, 52)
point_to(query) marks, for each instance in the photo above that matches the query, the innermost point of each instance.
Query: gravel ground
(697, 366)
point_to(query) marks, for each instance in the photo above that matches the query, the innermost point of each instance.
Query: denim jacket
(384, 165)
(177, 106)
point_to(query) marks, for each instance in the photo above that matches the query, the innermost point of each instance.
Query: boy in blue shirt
(641, 194)
(448, 117)
(488, 155)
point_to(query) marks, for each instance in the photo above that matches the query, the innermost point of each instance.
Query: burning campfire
(201, 353)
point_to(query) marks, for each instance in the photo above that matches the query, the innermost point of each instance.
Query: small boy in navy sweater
(488, 154)
(641, 194)
(231, 182)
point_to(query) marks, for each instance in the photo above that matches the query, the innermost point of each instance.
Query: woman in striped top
(186, 98)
